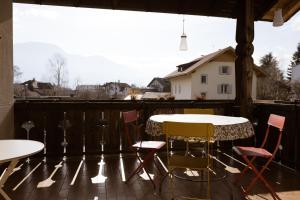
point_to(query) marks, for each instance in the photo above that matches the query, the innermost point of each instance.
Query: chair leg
(243, 172)
(187, 148)
(142, 164)
(161, 182)
(260, 177)
(157, 166)
(172, 184)
(208, 184)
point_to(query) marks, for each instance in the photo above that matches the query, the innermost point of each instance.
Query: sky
(146, 42)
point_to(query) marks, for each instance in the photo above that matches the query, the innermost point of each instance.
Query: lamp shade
(183, 43)
(278, 19)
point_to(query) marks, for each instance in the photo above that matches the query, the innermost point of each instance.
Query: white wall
(214, 79)
(181, 87)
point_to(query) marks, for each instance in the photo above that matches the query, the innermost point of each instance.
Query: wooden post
(6, 70)
(244, 60)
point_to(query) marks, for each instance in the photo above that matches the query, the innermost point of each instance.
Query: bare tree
(17, 73)
(59, 70)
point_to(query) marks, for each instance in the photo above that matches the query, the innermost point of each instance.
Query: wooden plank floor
(111, 186)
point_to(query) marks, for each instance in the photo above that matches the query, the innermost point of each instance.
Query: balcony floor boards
(285, 181)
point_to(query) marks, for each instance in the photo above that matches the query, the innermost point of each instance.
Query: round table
(12, 151)
(226, 127)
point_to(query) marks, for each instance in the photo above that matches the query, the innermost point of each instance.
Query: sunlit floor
(102, 177)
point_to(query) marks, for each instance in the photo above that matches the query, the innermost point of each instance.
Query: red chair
(131, 120)
(277, 122)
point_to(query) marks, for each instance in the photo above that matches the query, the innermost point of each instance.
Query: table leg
(5, 176)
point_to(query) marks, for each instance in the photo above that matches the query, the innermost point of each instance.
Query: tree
(296, 89)
(272, 87)
(295, 61)
(59, 70)
(17, 73)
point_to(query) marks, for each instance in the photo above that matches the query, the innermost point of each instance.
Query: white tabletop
(225, 127)
(17, 149)
(217, 120)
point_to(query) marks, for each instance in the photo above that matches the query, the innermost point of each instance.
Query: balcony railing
(92, 127)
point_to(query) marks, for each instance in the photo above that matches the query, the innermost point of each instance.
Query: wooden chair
(130, 119)
(205, 131)
(206, 111)
(276, 122)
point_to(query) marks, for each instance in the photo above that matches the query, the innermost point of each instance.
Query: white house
(160, 84)
(116, 90)
(295, 73)
(209, 77)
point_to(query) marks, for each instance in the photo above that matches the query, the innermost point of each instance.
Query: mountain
(33, 61)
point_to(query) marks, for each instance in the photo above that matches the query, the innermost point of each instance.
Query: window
(203, 79)
(224, 89)
(224, 70)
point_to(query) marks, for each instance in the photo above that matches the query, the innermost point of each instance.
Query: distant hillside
(33, 59)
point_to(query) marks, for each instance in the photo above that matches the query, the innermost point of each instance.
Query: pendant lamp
(183, 41)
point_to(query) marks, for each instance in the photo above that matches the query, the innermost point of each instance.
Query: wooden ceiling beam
(77, 3)
(216, 8)
(264, 9)
(291, 9)
(38, 2)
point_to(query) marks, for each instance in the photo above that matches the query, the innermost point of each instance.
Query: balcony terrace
(76, 140)
(89, 144)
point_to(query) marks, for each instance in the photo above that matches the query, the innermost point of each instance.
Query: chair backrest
(208, 111)
(204, 130)
(131, 132)
(276, 121)
(130, 116)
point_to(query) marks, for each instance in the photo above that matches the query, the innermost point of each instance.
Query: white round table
(226, 127)
(12, 151)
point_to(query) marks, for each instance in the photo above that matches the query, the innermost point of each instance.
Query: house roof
(40, 85)
(164, 82)
(259, 71)
(156, 95)
(117, 83)
(263, 9)
(193, 65)
(188, 68)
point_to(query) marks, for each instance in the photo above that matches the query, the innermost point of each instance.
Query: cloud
(295, 23)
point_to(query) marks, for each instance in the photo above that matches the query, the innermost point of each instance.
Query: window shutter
(219, 88)
(228, 70)
(220, 70)
(229, 89)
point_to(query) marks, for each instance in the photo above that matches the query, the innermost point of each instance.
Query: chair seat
(180, 161)
(252, 151)
(149, 144)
